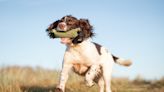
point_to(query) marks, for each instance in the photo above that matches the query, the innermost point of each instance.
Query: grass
(27, 79)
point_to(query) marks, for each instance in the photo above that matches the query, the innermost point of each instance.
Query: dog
(83, 56)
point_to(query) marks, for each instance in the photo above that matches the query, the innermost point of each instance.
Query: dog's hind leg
(101, 84)
(107, 65)
(107, 72)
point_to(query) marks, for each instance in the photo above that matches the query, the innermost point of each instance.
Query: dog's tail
(121, 61)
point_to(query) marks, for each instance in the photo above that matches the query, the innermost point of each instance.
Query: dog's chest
(80, 69)
(85, 54)
(80, 55)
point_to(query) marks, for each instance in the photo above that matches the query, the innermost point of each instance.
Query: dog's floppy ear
(86, 31)
(86, 28)
(53, 25)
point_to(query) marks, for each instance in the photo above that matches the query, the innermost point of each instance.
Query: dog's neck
(83, 43)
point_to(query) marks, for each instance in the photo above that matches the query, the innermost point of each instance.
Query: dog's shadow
(39, 89)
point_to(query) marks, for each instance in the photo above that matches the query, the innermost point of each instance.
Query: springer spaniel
(84, 56)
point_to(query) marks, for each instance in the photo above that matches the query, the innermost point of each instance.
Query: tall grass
(27, 79)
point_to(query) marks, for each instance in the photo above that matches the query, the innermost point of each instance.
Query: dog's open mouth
(65, 40)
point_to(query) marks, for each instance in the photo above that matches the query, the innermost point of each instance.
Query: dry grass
(27, 79)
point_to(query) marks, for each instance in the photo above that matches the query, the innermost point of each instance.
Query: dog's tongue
(64, 40)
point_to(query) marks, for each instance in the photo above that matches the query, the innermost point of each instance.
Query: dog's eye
(69, 20)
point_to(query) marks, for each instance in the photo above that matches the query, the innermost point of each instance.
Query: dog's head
(69, 22)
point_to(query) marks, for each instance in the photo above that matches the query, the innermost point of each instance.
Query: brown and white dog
(84, 56)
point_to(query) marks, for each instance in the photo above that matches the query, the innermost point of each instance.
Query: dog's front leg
(63, 77)
(92, 73)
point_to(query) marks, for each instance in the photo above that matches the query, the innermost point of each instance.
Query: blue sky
(128, 28)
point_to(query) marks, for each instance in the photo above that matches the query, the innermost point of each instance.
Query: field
(27, 79)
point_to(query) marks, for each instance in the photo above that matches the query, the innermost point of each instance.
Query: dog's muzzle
(54, 33)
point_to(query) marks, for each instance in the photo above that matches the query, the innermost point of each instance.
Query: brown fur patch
(80, 69)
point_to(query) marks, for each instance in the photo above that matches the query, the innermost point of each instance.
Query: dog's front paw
(89, 83)
(58, 90)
